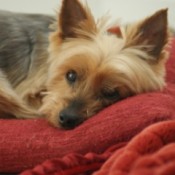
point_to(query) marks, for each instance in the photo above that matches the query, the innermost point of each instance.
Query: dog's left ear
(74, 17)
(152, 32)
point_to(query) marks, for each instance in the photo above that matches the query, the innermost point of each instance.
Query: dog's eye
(111, 95)
(71, 76)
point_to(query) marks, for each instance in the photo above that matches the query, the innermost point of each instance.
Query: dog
(71, 70)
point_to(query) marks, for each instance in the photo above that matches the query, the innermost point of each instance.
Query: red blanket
(152, 152)
(113, 136)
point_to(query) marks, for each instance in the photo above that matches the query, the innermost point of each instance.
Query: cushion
(26, 143)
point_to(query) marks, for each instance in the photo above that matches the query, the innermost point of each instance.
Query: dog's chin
(70, 127)
(54, 121)
(66, 127)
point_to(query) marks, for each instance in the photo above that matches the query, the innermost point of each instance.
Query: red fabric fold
(73, 164)
(152, 152)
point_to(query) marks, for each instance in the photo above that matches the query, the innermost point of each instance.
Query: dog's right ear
(152, 32)
(74, 17)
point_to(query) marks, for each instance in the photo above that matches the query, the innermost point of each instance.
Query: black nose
(69, 119)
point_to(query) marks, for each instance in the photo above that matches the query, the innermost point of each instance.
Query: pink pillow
(26, 143)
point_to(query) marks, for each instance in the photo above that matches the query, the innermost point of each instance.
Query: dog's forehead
(108, 44)
(100, 47)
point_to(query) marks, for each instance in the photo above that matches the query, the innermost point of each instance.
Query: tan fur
(94, 54)
(104, 63)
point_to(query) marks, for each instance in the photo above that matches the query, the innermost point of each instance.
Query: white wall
(127, 10)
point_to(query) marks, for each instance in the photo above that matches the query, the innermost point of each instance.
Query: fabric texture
(152, 152)
(106, 137)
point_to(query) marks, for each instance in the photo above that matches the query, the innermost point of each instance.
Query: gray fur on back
(23, 38)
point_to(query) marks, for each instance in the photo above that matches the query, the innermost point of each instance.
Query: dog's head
(91, 68)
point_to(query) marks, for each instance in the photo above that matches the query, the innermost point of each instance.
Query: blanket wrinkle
(70, 164)
(154, 158)
(163, 156)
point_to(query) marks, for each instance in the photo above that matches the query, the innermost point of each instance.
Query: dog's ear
(74, 16)
(151, 33)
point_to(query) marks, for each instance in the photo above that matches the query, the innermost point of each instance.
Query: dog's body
(23, 54)
(84, 69)
(24, 39)
(23, 49)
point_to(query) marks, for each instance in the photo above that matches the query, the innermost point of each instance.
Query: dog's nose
(69, 119)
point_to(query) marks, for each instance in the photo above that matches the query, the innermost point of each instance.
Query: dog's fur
(85, 67)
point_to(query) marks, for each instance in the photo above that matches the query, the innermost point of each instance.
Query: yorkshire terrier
(75, 68)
